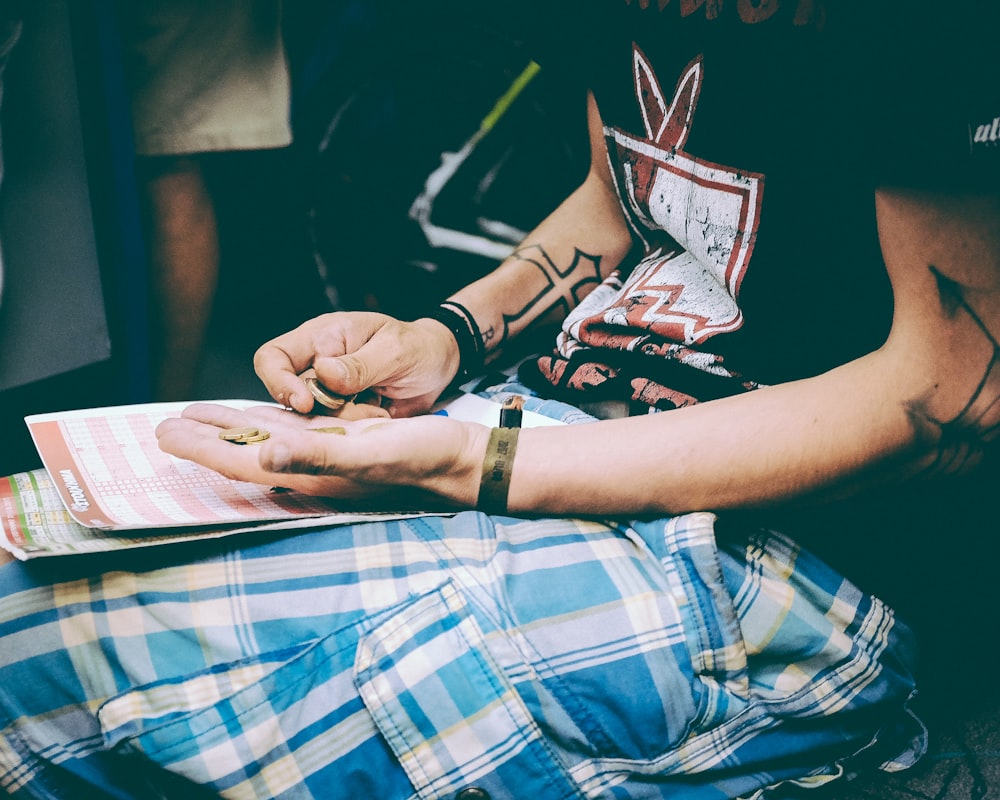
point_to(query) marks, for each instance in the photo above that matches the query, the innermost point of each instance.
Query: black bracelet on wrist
(471, 356)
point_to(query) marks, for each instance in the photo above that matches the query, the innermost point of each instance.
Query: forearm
(926, 403)
(560, 262)
(828, 436)
(557, 265)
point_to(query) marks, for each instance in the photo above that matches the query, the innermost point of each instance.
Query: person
(202, 79)
(762, 254)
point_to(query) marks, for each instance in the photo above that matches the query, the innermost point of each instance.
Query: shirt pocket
(547, 710)
(406, 703)
(281, 724)
(450, 712)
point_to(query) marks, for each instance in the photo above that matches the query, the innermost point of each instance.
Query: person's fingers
(282, 378)
(197, 436)
(279, 417)
(215, 414)
(222, 416)
(194, 440)
(343, 459)
(381, 372)
(303, 454)
(410, 406)
(348, 353)
(280, 362)
(373, 364)
(395, 360)
(355, 411)
(331, 450)
(199, 442)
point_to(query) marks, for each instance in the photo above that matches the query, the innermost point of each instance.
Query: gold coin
(236, 434)
(256, 439)
(324, 396)
(331, 429)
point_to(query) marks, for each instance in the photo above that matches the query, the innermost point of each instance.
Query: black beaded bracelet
(457, 319)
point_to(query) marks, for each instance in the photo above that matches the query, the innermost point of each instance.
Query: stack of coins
(246, 435)
(326, 398)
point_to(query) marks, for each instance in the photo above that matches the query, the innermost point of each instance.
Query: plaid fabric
(411, 659)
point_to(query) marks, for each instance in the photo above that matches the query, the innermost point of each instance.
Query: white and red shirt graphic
(697, 222)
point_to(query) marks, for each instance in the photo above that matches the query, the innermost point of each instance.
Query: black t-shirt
(747, 138)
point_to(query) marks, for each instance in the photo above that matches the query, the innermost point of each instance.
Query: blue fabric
(542, 658)
(532, 658)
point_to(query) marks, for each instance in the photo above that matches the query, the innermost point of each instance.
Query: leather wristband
(494, 486)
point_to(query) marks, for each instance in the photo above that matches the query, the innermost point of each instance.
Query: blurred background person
(203, 77)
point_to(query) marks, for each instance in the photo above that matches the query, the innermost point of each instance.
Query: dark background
(303, 230)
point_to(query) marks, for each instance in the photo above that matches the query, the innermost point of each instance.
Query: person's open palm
(427, 462)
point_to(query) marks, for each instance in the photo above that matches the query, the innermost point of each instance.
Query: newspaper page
(34, 522)
(112, 475)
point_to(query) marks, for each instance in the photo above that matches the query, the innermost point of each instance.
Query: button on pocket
(473, 793)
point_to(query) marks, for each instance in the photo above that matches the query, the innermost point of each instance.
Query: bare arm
(411, 363)
(560, 262)
(928, 401)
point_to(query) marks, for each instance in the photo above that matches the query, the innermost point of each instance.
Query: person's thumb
(351, 373)
(380, 361)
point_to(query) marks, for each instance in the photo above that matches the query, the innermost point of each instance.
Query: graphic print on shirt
(697, 222)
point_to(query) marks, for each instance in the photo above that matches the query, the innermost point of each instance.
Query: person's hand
(429, 462)
(407, 364)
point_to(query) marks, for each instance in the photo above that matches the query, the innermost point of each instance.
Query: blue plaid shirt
(537, 658)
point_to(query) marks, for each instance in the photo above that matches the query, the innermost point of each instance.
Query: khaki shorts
(206, 76)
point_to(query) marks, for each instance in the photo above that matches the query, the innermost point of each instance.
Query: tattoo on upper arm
(560, 288)
(959, 443)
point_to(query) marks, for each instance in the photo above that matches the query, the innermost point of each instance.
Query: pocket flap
(450, 714)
